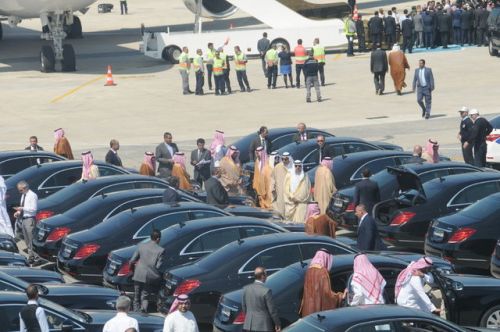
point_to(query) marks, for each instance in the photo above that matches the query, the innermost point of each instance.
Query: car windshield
(483, 209)
(73, 314)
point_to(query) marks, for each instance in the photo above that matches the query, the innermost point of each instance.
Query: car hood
(407, 179)
(80, 290)
(100, 317)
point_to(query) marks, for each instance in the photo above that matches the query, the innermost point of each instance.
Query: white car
(493, 144)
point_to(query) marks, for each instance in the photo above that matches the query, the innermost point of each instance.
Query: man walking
(149, 257)
(464, 134)
(477, 139)
(423, 81)
(122, 321)
(32, 317)
(200, 160)
(164, 155)
(184, 65)
(240, 61)
(350, 31)
(398, 64)
(368, 237)
(199, 71)
(300, 58)
(258, 305)
(123, 7)
(25, 216)
(262, 47)
(375, 28)
(407, 30)
(272, 66)
(379, 67)
(311, 68)
(112, 155)
(319, 55)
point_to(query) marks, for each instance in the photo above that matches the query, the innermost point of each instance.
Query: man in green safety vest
(240, 61)
(218, 69)
(199, 70)
(319, 55)
(272, 66)
(210, 63)
(350, 31)
(227, 68)
(184, 66)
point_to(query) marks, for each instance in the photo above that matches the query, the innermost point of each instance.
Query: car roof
(103, 180)
(13, 297)
(24, 271)
(463, 179)
(350, 316)
(132, 193)
(368, 155)
(423, 167)
(21, 153)
(154, 209)
(311, 142)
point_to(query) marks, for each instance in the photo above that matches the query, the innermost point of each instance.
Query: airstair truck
(286, 21)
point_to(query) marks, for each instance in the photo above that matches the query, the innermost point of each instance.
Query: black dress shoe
(320, 100)
(308, 100)
(399, 93)
(427, 116)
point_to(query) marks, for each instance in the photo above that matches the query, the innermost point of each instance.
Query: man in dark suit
(464, 133)
(34, 144)
(200, 160)
(466, 24)
(112, 155)
(366, 191)
(375, 28)
(149, 258)
(407, 30)
(428, 22)
(390, 29)
(302, 134)
(170, 195)
(477, 138)
(324, 150)
(379, 67)
(444, 26)
(481, 22)
(423, 81)
(164, 155)
(260, 140)
(258, 305)
(368, 237)
(360, 33)
(216, 194)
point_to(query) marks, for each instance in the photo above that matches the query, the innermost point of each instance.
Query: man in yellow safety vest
(184, 65)
(210, 63)
(227, 68)
(218, 69)
(319, 55)
(272, 66)
(240, 61)
(199, 70)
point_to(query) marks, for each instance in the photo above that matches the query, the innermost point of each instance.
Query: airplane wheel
(75, 29)
(47, 59)
(69, 60)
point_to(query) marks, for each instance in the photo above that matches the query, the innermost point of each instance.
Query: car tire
(491, 319)
(491, 49)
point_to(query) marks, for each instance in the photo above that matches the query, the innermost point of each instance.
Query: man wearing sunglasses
(324, 150)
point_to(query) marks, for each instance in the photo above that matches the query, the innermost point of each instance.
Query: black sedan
(62, 319)
(12, 259)
(279, 137)
(49, 232)
(187, 243)
(287, 287)
(383, 318)
(12, 162)
(342, 205)
(495, 261)
(467, 237)
(7, 243)
(33, 275)
(83, 254)
(404, 220)
(46, 179)
(231, 267)
(71, 296)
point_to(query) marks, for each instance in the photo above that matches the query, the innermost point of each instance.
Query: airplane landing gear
(49, 56)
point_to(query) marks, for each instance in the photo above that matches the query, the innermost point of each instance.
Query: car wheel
(492, 50)
(491, 319)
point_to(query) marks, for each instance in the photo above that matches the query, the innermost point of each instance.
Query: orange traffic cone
(109, 78)
(355, 13)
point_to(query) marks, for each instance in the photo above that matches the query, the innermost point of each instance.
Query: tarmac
(148, 100)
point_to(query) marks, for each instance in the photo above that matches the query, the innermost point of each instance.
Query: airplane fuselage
(25, 9)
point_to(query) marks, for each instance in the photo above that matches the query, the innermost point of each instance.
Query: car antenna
(320, 317)
(240, 241)
(441, 179)
(132, 209)
(103, 195)
(182, 223)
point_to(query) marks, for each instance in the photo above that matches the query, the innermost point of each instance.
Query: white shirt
(30, 204)
(120, 323)
(40, 316)
(421, 74)
(5, 225)
(412, 295)
(170, 150)
(180, 322)
(361, 220)
(359, 297)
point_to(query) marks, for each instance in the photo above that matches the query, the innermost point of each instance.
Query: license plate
(66, 252)
(338, 203)
(226, 312)
(41, 234)
(111, 268)
(438, 234)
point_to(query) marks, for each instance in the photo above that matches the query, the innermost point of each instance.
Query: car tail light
(58, 233)
(492, 137)
(461, 234)
(44, 214)
(402, 218)
(187, 286)
(86, 251)
(125, 270)
(240, 318)
(350, 207)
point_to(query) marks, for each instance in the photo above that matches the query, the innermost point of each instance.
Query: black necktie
(23, 197)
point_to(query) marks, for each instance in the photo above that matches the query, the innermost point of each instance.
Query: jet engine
(214, 9)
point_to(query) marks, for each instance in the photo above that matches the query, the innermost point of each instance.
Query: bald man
(258, 306)
(417, 155)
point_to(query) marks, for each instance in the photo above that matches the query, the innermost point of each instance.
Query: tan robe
(183, 176)
(318, 294)
(63, 148)
(278, 187)
(398, 64)
(230, 176)
(93, 173)
(324, 187)
(296, 202)
(146, 170)
(321, 225)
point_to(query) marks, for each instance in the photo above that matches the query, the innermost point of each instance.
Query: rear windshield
(217, 258)
(114, 224)
(291, 276)
(433, 188)
(483, 209)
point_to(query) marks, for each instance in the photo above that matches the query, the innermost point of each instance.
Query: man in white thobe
(181, 320)
(5, 225)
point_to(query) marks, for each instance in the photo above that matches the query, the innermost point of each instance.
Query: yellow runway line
(70, 92)
(337, 57)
